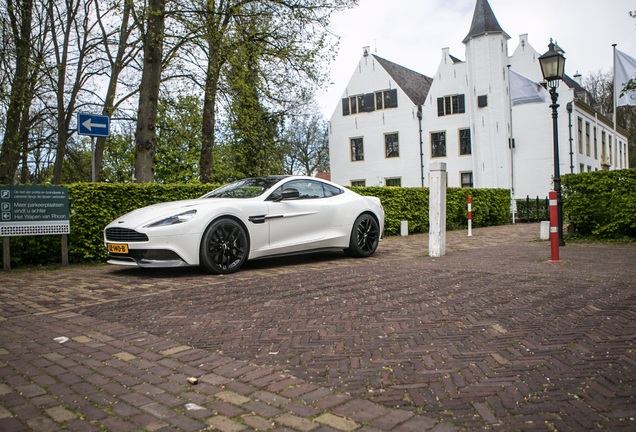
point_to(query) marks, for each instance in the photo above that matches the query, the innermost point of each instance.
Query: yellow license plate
(117, 248)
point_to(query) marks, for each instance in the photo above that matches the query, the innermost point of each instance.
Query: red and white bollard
(554, 230)
(470, 218)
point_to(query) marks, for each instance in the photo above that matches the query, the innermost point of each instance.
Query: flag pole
(511, 141)
(615, 101)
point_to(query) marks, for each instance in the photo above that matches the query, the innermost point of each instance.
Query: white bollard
(437, 210)
(544, 230)
(404, 228)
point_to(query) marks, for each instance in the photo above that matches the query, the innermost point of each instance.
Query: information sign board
(33, 210)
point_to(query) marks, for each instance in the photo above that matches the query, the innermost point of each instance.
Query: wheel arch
(372, 213)
(226, 216)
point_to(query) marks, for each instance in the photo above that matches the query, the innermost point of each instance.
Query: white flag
(624, 70)
(523, 90)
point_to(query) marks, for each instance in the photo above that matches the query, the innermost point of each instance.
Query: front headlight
(173, 220)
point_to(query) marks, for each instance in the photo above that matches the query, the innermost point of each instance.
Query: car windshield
(247, 188)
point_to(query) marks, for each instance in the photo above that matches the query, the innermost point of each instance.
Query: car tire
(365, 236)
(224, 247)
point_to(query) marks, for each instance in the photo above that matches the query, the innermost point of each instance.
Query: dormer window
(449, 105)
(369, 102)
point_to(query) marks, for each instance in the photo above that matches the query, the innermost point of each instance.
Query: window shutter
(462, 106)
(440, 107)
(345, 106)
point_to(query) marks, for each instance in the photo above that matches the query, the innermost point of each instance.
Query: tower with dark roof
(484, 22)
(486, 59)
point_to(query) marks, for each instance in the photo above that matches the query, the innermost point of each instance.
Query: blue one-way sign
(93, 125)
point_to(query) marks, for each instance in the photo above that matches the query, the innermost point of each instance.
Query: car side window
(308, 189)
(276, 195)
(331, 190)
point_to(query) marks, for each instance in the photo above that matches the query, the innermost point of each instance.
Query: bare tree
(307, 145)
(119, 51)
(599, 84)
(73, 44)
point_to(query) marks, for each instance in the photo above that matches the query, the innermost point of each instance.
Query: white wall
(369, 77)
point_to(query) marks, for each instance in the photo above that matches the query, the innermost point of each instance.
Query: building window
(395, 182)
(581, 168)
(449, 105)
(482, 101)
(358, 183)
(391, 145)
(466, 179)
(464, 142)
(580, 135)
(369, 102)
(587, 138)
(595, 144)
(357, 149)
(386, 99)
(365, 103)
(438, 144)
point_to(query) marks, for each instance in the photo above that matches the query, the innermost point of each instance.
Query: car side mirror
(289, 193)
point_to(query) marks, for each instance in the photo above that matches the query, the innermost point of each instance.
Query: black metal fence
(533, 209)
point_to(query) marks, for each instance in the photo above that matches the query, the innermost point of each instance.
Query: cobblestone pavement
(491, 336)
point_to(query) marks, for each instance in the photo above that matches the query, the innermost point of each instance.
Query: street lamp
(552, 67)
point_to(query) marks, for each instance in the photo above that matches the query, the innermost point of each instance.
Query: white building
(392, 122)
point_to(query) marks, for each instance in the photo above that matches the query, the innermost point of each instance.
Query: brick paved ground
(490, 336)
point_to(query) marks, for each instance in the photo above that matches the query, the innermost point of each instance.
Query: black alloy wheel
(224, 247)
(365, 236)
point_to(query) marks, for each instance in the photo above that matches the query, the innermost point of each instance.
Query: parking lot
(490, 336)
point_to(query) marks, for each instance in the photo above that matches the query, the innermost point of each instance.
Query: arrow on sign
(89, 125)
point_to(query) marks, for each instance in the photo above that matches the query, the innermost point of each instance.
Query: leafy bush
(489, 207)
(92, 206)
(601, 204)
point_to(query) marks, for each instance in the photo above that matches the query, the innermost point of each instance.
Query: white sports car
(248, 219)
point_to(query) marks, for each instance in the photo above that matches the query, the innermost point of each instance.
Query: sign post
(93, 125)
(33, 210)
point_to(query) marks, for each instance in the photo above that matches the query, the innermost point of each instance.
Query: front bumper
(147, 258)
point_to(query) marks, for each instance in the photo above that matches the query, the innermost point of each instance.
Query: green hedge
(489, 207)
(601, 204)
(93, 205)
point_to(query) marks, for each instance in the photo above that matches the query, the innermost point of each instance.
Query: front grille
(125, 235)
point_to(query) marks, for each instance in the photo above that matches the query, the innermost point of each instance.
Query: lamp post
(552, 67)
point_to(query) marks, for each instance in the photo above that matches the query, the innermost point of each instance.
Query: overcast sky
(412, 33)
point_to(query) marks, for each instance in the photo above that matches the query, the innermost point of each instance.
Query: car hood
(156, 212)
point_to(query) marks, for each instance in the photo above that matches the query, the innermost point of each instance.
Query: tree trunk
(206, 164)
(11, 146)
(145, 135)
